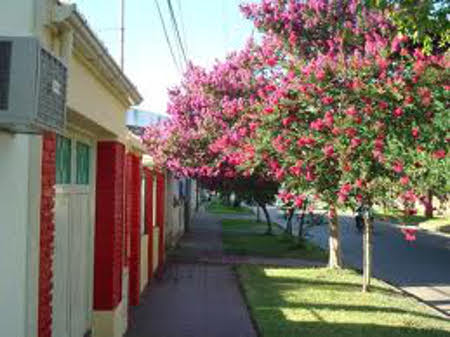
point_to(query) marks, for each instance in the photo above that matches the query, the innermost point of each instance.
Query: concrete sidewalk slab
(194, 299)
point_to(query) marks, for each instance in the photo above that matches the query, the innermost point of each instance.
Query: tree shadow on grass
(277, 316)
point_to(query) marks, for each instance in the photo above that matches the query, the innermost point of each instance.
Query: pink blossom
(398, 112)
(355, 142)
(328, 150)
(346, 188)
(439, 154)
(305, 141)
(383, 105)
(327, 100)
(271, 62)
(351, 111)
(359, 183)
(398, 167)
(404, 180)
(268, 110)
(351, 132)
(298, 200)
(409, 196)
(317, 125)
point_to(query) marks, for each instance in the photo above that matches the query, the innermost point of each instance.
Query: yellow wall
(144, 262)
(88, 96)
(155, 247)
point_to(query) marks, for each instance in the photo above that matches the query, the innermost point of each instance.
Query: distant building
(138, 119)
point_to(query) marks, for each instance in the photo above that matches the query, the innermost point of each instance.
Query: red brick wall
(109, 225)
(149, 217)
(160, 217)
(47, 232)
(134, 217)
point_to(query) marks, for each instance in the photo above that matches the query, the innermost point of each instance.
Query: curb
(438, 311)
(251, 314)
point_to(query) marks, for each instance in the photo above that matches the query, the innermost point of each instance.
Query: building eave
(87, 44)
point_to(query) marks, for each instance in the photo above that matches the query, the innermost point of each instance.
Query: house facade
(83, 216)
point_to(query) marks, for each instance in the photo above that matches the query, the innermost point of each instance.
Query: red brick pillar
(47, 232)
(160, 217)
(149, 218)
(133, 208)
(109, 225)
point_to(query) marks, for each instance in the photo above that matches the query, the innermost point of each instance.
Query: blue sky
(212, 28)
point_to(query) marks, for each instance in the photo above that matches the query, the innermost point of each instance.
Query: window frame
(72, 186)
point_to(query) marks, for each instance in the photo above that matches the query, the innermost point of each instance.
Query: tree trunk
(301, 223)
(267, 215)
(236, 201)
(258, 215)
(367, 252)
(429, 205)
(288, 229)
(334, 241)
(226, 199)
(197, 197)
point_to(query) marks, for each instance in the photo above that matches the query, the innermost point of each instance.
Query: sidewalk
(194, 299)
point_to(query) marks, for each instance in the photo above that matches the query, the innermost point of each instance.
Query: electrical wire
(175, 25)
(183, 30)
(166, 35)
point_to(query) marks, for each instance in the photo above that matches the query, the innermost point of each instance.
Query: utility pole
(122, 34)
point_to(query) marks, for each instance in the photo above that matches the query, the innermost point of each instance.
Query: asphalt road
(421, 267)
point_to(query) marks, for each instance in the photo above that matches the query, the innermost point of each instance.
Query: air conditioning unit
(32, 87)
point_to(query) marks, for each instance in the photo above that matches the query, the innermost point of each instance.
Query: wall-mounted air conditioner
(32, 87)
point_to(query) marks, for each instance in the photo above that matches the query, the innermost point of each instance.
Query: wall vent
(5, 69)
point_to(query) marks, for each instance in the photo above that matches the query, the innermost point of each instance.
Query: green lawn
(216, 207)
(246, 237)
(437, 223)
(320, 303)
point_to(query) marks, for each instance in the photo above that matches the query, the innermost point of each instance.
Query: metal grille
(5, 69)
(52, 91)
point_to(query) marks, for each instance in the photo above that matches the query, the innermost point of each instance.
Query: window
(63, 160)
(83, 163)
(73, 162)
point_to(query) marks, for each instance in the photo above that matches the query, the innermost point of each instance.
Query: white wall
(19, 209)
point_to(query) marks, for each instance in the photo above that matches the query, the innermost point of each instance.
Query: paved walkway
(421, 268)
(194, 299)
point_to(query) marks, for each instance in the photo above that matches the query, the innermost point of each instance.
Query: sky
(210, 28)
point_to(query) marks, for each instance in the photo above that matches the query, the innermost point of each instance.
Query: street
(421, 267)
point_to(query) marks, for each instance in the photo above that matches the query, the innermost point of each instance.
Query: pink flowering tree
(355, 114)
(204, 136)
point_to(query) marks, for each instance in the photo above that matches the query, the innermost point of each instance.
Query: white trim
(33, 234)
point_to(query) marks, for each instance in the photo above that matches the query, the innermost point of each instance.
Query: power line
(175, 25)
(183, 30)
(166, 35)
(177, 49)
